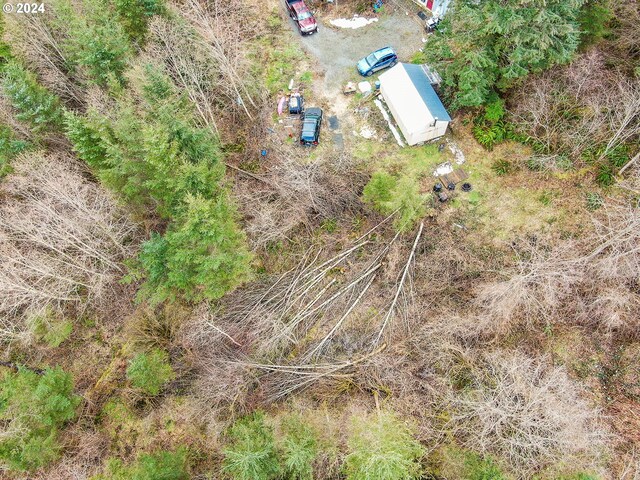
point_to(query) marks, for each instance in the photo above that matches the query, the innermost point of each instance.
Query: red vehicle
(302, 16)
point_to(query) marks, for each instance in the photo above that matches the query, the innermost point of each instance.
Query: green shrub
(34, 407)
(134, 16)
(605, 175)
(489, 127)
(51, 329)
(489, 135)
(389, 194)
(381, 447)
(10, 146)
(502, 167)
(299, 448)
(380, 189)
(494, 110)
(34, 103)
(619, 155)
(330, 225)
(251, 452)
(161, 465)
(150, 371)
(486, 136)
(594, 201)
(456, 463)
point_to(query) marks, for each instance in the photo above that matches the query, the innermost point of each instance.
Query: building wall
(394, 113)
(437, 131)
(430, 132)
(437, 7)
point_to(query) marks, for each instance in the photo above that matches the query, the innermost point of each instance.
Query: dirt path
(337, 49)
(333, 53)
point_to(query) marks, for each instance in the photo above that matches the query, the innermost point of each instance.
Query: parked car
(296, 103)
(303, 17)
(311, 122)
(383, 58)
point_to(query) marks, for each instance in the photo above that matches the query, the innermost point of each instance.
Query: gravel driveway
(338, 49)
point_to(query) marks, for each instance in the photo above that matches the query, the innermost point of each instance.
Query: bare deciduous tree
(63, 239)
(570, 110)
(207, 56)
(591, 281)
(35, 37)
(529, 413)
(293, 193)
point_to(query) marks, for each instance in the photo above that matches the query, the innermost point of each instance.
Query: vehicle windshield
(371, 59)
(304, 15)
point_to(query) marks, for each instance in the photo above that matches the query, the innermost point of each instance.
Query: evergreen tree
(155, 157)
(201, 256)
(34, 103)
(10, 146)
(96, 42)
(34, 407)
(87, 139)
(134, 15)
(488, 45)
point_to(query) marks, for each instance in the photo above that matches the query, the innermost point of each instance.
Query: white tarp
(353, 23)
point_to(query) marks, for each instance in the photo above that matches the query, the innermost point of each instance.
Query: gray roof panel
(429, 96)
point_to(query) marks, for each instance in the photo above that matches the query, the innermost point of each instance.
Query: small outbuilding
(414, 104)
(437, 7)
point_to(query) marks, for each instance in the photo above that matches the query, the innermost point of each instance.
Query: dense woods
(176, 304)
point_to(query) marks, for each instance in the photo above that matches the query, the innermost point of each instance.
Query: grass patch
(458, 463)
(50, 329)
(306, 77)
(396, 184)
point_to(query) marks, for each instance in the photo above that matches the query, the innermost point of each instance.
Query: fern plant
(299, 448)
(381, 447)
(251, 453)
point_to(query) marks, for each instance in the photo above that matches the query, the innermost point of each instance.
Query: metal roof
(429, 96)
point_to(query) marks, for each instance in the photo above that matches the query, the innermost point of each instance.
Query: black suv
(311, 122)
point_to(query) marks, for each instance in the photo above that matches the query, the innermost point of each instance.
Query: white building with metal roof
(414, 104)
